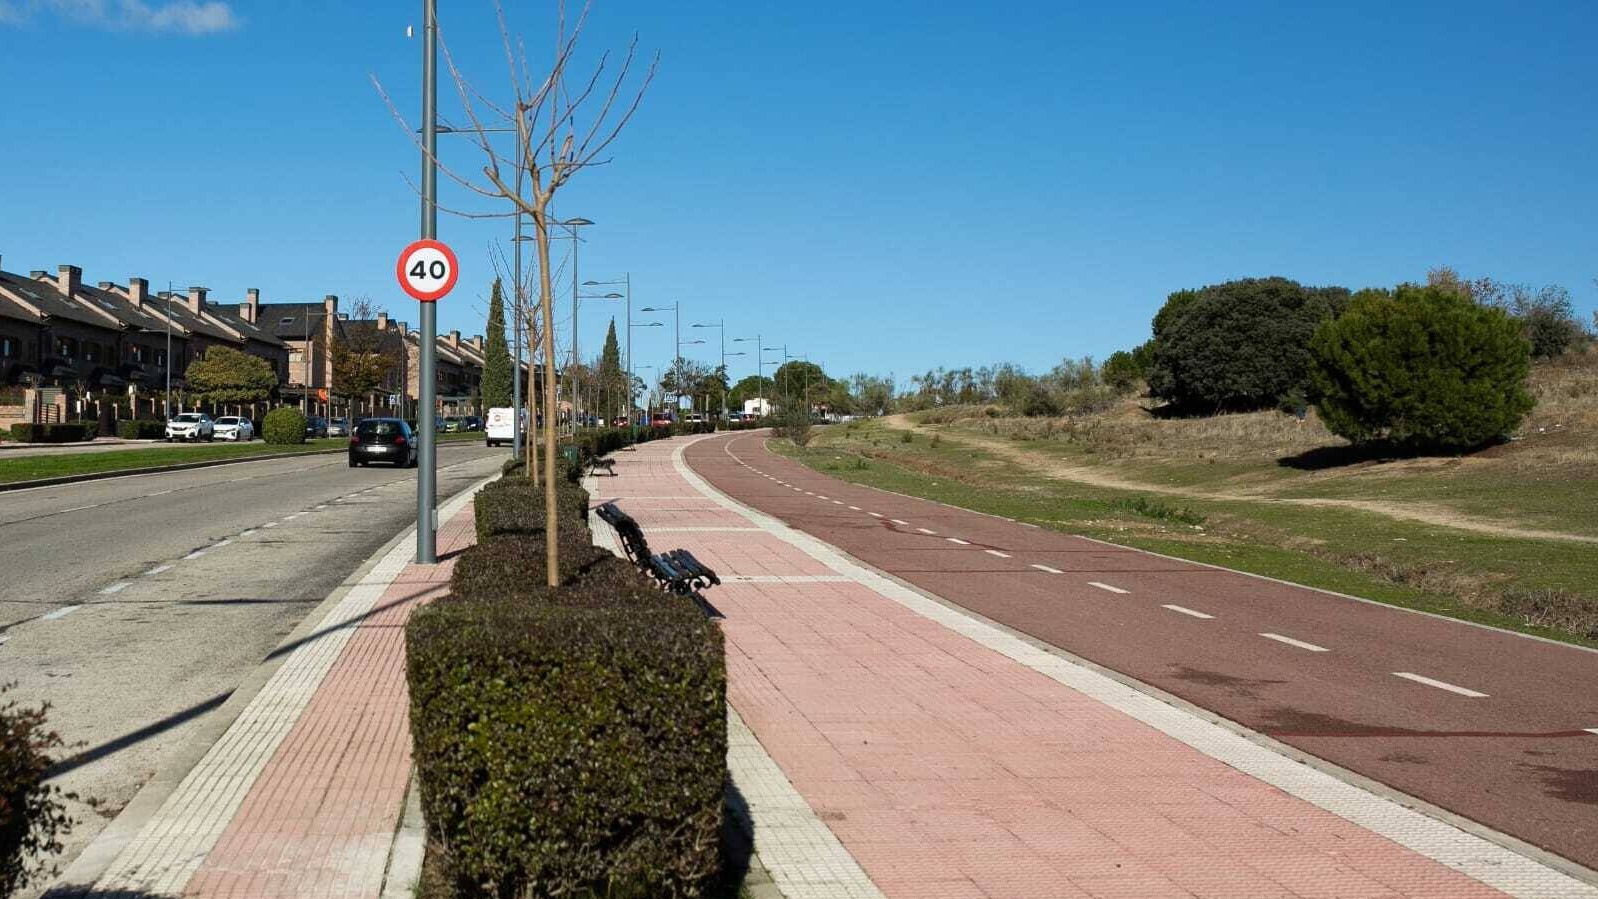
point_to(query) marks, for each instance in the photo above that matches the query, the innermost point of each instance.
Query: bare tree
(564, 124)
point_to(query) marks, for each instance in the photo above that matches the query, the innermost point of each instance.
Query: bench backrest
(632, 536)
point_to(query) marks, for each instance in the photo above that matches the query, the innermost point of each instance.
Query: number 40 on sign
(427, 270)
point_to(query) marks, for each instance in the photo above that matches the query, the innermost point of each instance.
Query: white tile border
(172, 845)
(1476, 857)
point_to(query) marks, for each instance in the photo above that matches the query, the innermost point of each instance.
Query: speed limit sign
(427, 270)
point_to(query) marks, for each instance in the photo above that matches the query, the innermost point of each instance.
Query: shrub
(66, 432)
(571, 746)
(1153, 508)
(283, 425)
(515, 505)
(906, 437)
(794, 424)
(132, 429)
(1238, 346)
(1425, 370)
(32, 816)
(514, 564)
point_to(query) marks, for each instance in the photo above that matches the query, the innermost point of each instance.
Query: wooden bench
(676, 571)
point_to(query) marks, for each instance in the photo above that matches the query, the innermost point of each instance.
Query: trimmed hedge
(65, 432)
(514, 565)
(284, 426)
(572, 744)
(515, 505)
(131, 429)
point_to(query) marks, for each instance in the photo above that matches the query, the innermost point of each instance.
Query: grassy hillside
(1508, 535)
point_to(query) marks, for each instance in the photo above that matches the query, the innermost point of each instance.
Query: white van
(500, 427)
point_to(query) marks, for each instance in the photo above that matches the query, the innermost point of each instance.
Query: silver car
(338, 427)
(235, 428)
(190, 426)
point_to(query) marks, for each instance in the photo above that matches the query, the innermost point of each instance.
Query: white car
(500, 426)
(235, 428)
(190, 426)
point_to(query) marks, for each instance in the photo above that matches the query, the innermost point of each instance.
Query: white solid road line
(158, 569)
(994, 552)
(1441, 685)
(1186, 611)
(62, 612)
(1291, 642)
(1107, 587)
(1047, 568)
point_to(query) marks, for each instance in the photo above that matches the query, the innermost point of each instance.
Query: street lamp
(676, 310)
(760, 369)
(721, 334)
(571, 226)
(626, 283)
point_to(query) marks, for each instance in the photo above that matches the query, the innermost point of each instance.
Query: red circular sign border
(434, 295)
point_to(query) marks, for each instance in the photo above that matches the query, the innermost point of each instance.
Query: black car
(472, 423)
(383, 440)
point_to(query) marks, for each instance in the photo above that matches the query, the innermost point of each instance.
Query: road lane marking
(1107, 587)
(855, 509)
(1047, 568)
(1291, 642)
(819, 496)
(294, 516)
(1186, 611)
(270, 524)
(837, 502)
(897, 521)
(875, 514)
(158, 493)
(1591, 730)
(195, 555)
(927, 531)
(158, 569)
(246, 533)
(994, 552)
(320, 508)
(221, 543)
(1441, 685)
(62, 612)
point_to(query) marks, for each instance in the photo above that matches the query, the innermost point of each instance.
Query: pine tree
(612, 380)
(497, 365)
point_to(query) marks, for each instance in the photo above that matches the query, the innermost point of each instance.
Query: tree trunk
(551, 516)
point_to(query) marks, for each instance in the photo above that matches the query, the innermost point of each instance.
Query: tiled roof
(237, 322)
(49, 301)
(120, 306)
(185, 318)
(288, 320)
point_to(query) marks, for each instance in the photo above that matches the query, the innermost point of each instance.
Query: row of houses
(89, 343)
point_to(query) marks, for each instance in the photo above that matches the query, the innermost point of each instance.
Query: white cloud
(193, 17)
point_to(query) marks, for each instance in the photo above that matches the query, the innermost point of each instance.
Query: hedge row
(569, 741)
(65, 432)
(134, 429)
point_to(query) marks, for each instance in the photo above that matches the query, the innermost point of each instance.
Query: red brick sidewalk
(949, 769)
(318, 818)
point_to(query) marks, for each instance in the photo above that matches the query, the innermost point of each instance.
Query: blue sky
(886, 188)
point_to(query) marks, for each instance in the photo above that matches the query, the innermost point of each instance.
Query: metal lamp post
(571, 226)
(676, 311)
(721, 334)
(760, 366)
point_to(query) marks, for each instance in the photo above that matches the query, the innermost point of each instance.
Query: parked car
(233, 427)
(383, 440)
(338, 427)
(695, 418)
(316, 426)
(619, 421)
(451, 423)
(660, 418)
(472, 423)
(190, 426)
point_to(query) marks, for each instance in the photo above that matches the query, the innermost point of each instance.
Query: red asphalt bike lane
(1372, 688)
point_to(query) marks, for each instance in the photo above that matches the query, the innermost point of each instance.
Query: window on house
(91, 351)
(67, 347)
(6, 347)
(160, 358)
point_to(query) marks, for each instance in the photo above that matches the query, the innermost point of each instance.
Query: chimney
(69, 279)
(197, 299)
(38, 274)
(455, 340)
(250, 309)
(138, 291)
(382, 321)
(405, 329)
(477, 342)
(105, 285)
(330, 304)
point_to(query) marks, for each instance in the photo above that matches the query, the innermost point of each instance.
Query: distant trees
(498, 368)
(751, 387)
(365, 359)
(226, 375)
(1547, 317)
(800, 382)
(1238, 346)
(1426, 369)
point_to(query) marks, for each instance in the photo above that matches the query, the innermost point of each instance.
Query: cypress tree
(612, 380)
(498, 369)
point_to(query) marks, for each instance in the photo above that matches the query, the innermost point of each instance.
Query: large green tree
(612, 380)
(1239, 345)
(751, 387)
(1427, 369)
(800, 382)
(226, 375)
(498, 368)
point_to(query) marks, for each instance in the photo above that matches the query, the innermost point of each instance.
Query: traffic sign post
(427, 271)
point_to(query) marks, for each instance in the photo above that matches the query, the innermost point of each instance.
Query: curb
(181, 466)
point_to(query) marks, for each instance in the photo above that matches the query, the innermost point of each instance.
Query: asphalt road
(1496, 727)
(135, 605)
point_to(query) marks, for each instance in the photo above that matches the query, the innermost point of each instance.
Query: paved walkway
(900, 747)
(302, 796)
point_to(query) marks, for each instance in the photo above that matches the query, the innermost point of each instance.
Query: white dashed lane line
(158, 569)
(62, 612)
(246, 533)
(270, 524)
(1107, 587)
(1183, 610)
(1591, 730)
(1441, 685)
(994, 552)
(194, 555)
(928, 531)
(875, 514)
(1291, 642)
(221, 543)
(854, 508)
(1047, 568)
(897, 521)
(117, 587)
